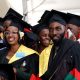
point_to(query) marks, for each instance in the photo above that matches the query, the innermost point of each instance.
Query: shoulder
(48, 49)
(28, 50)
(3, 49)
(73, 48)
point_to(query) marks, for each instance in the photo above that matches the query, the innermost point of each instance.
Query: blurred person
(44, 46)
(74, 25)
(2, 45)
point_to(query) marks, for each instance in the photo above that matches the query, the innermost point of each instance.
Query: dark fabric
(23, 71)
(7, 72)
(67, 58)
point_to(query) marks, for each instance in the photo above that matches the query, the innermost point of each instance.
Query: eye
(7, 33)
(58, 28)
(14, 32)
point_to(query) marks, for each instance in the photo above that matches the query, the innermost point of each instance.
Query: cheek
(42, 38)
(17, 37)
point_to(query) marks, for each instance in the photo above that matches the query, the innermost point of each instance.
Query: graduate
(64, 58)
(23, 59)
(74, 25)
(44, 46)
(42, 32)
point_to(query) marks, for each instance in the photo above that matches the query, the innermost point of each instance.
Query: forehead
(11, 28)
(44, 31)
(56, 24)
(72, 26)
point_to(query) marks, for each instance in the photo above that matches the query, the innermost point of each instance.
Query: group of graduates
(49, 50)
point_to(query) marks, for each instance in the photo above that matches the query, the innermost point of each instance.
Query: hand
(15, 70)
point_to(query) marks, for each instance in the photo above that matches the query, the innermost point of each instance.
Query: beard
(58, 41)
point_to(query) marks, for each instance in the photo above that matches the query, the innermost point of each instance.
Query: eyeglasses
(8, 33)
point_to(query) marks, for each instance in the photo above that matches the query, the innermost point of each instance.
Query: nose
(10, 34)
(47, 37)
(54, 32)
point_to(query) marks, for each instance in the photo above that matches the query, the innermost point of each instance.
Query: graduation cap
(30, 40)
(43, 16)
(15, 13)
(6, 71)
(30, 36)
(55, 15)
(37, 28)
(59, 17)
(17, 22)
(73, 19)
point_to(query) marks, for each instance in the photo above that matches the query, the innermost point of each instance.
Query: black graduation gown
(23, 71)
(67, 59)
(2, 44)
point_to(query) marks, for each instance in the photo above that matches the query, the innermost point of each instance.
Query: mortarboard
(30, 40)
(17, 22)
(6, 70)
(37, 28)
(15, 13)
(55, 15)
(30, 36)
(59, 17)
(73, 19)
(43, 16)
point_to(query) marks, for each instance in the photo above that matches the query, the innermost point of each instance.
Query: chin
(55, 41)
(11, 43)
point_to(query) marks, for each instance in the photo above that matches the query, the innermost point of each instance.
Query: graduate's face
(74, 29)
(57, 31)
(44, 37)
(11, 35)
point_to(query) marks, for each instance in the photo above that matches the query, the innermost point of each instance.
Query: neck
(41, 48)
(58, 43)
(14, 48)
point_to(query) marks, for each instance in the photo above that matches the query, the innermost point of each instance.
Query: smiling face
(11, 35)
(57, 31)
(44, 37)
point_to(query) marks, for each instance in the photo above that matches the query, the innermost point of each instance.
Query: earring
(39, 42)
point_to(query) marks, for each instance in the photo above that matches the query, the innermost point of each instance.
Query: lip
(11, 39)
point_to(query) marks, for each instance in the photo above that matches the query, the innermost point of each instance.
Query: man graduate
(64, 57)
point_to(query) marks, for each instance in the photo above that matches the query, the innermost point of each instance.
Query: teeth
(11, 39)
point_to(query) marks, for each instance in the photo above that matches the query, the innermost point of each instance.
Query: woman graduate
(44, 46)
(23, 59)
